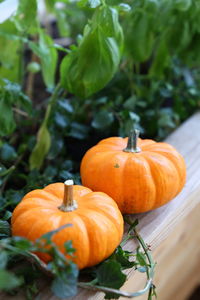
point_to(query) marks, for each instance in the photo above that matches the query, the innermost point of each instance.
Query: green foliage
(11, 95)
(48, 55)
(91, 65)
(26, 15)
(10, 65)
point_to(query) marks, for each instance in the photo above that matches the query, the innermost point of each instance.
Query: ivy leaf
(141, 258)
(7, 123)
(109, 274)
(41, 148)
(26, 15)
(102, 119)
(122, 257)
(8, 280)
(7, 152)
(65, 285)
(4, 228)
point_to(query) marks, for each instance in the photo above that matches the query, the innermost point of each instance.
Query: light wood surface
(165, 227)
(155, 226)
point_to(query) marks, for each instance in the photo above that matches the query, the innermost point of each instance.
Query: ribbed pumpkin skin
(97, 222)
(138, 182)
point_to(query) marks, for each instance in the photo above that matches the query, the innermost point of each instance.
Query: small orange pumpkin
(97, 224)
(138, 177)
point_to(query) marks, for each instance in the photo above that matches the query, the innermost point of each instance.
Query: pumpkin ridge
(77, 223)
(26, 210)
(169, 155)
(104, 211)
(42, 194)
(150, 156)
(97, 237)
(138, 159)
(45, 221)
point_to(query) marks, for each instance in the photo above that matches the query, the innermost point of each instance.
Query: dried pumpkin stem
(69, 204)
(132, 142)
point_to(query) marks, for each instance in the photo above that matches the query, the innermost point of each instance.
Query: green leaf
(91, 65)
(124, 7)
(139, 38)
(48, 56)
(182, 5)
(109, 274)
(141, 258)
(25, 18)
(63, 26)
(22, 243)
(161, 60)
(3, 259)
(79, 131)
(7, 152)
(41, 148)
(102, 119)
(7, 123)
(8, 280)
(89, 3)
(65, 285)
(10, 65)
(122, 257)
(4, 228)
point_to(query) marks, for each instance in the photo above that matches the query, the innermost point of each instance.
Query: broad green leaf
(139, 38)
(182, 5)
(50, 4)
(10, 65)
(41, 148)
(91, 65)
(63, 26)
(161, 60)
(89, 3)
(26, 15)
(48, 56)
(8, 280)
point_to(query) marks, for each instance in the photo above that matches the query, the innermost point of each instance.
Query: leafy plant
(107, 276)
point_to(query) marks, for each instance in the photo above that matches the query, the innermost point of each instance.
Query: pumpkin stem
(69, 204)
(132, 142)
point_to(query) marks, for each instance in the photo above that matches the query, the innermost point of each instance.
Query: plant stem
(132, 142)
(51, 102)
(69, 204)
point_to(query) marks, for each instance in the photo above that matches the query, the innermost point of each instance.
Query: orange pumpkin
(97, 224)
(139, 175)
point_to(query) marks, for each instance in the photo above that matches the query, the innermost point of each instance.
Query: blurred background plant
(74, 72)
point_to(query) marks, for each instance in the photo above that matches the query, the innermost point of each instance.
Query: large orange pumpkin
(139, 175)
(97, 223)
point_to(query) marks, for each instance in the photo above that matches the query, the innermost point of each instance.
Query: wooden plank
(178, 261)
(156, 225)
